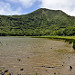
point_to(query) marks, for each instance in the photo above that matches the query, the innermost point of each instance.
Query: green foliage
(40, 22)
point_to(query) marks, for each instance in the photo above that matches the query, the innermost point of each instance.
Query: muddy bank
(36, 56)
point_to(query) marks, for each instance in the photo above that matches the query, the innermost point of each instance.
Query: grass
(55, 37)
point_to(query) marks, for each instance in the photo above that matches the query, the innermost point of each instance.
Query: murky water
(36, 56)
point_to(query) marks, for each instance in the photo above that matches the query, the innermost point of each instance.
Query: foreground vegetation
(40, 22)
(56, 37)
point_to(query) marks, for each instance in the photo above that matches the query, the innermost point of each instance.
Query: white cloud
(25, 3)
(5, 9)
(67, 6)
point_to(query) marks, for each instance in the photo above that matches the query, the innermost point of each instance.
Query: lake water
(36, 56)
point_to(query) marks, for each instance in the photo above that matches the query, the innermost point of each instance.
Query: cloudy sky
(18, 7)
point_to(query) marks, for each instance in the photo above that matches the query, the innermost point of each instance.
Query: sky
(19, 7)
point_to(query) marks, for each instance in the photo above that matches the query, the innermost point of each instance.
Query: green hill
(40, 22)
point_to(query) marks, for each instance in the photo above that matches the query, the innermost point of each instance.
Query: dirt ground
(36, 56)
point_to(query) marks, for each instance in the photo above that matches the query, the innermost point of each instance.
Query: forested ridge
(40, 22)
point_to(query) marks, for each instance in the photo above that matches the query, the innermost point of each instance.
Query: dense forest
(40, 22)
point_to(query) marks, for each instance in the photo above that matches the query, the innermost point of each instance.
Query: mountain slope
(40, 22)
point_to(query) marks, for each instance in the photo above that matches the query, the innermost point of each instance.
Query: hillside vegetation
(40, 22)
